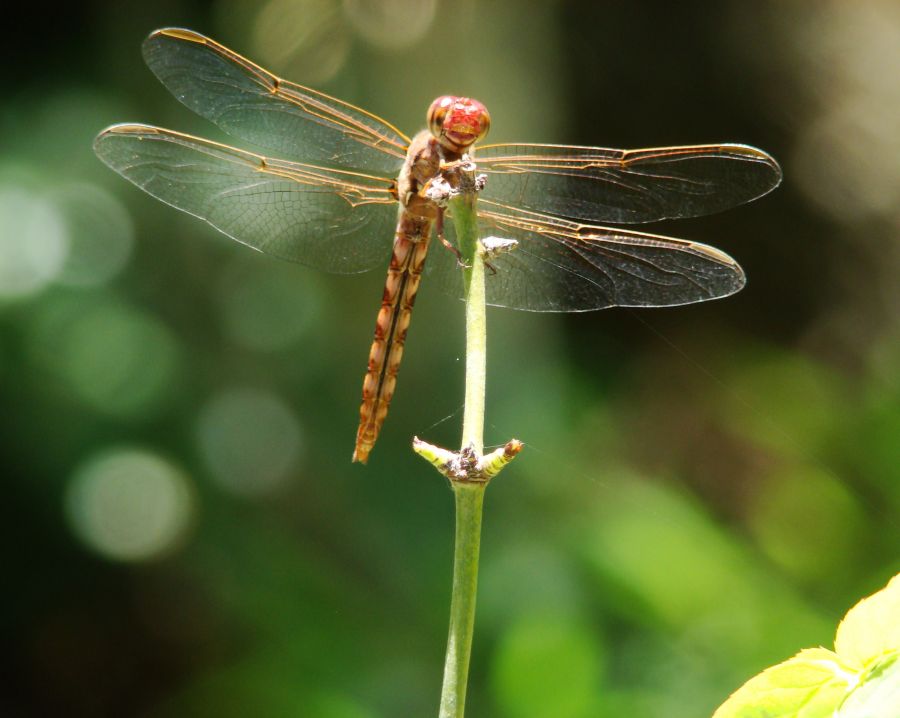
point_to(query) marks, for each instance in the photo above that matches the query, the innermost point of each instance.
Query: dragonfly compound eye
(458, 122)
(437, 112)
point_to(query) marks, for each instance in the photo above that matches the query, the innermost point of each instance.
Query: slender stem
(469, 496)
(469, 501)
(476, 357)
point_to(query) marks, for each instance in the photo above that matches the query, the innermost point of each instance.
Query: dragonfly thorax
(422, 165)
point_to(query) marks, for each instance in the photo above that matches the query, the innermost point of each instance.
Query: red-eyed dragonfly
(345, 181)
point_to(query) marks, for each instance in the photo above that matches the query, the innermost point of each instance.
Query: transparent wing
(626, 186)
(562, 266)
(328, 219)
(254, 105)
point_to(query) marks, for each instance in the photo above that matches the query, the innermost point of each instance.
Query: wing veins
(328, 109)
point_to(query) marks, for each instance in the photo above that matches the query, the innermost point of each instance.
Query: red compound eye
(437, 112)
(458, 121)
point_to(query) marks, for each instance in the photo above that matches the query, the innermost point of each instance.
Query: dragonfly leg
(439, 229)
(448, 245)
(466, 164)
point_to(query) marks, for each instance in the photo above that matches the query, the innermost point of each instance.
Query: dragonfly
(335, 183)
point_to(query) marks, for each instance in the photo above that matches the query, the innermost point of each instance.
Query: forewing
(331, 220)
(561, 266)
(254, 105)
(625, 186)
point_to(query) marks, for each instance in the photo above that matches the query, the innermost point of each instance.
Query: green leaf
(860, 680)
(878, 694)
(809, 685)
(872, 627)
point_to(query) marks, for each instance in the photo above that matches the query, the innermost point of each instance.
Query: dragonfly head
(458, 122)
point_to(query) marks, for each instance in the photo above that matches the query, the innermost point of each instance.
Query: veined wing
(563, 266)
(328, 219)
(254, 105)
(626, 186)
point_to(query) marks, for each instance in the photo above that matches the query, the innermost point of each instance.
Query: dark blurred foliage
(704, 490)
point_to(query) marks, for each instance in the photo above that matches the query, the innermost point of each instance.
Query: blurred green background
(704, 490)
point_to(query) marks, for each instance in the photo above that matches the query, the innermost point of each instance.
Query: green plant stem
(469, 501)
(476, 357)
(469, 497)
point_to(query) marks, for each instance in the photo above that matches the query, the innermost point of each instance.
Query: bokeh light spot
(841, 163)
(114, 358)
(268, 306)
(250, 440)
(303, 40)
(391, 24)
(101, 234)
(33, 242)
(807, 522)
(129, 504)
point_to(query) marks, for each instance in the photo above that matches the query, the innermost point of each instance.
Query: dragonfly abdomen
(400, 288)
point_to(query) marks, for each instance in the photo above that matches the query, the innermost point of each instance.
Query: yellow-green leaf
(812, 684)
(860, 680)
(872, 627)
(878, 694)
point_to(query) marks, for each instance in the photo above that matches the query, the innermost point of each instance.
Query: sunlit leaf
(860, 680)
(872, 627)
(809, 685)
(878, 696)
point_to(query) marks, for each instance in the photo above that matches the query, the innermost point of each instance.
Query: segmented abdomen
(403, 277)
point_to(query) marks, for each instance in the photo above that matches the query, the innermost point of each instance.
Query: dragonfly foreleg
(439, 229)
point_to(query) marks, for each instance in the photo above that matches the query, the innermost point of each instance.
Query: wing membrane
(562, 266)
(328, 219)
(254, 105)
(626, 186)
